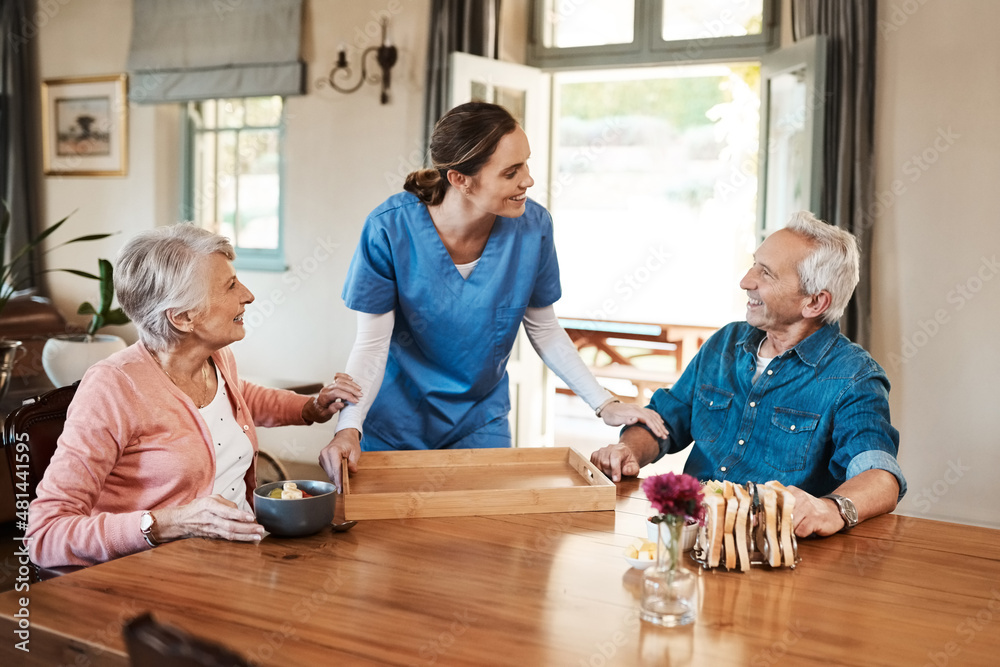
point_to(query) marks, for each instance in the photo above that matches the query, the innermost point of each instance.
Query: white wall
(936, 100)
(937, 244)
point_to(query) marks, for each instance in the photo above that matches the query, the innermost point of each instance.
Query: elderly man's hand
(815, 516)
(615, 461)
(332, 399)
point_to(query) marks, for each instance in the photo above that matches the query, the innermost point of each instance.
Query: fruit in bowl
(296, 511)
(641, 554)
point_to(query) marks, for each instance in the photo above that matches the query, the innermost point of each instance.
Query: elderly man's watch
(847, 510)
(146, 524)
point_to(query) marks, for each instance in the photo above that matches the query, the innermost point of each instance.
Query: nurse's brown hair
(463, 140)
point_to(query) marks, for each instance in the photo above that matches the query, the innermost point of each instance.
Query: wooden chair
(30, 434)
(153, 644)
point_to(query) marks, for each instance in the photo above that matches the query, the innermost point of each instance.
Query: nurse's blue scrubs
(445, 383)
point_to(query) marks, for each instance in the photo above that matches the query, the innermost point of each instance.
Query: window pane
(263, 111)
(589, 22)
(654, 192)
(231, 113)
(259, 189)
(699, 19)
(226, 186)
(787, 147)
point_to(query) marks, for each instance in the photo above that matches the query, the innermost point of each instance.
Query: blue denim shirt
(817, 416)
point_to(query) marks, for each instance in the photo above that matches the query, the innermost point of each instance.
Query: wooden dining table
(528, 589)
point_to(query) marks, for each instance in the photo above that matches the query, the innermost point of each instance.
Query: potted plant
(14, 276)
(66, 358)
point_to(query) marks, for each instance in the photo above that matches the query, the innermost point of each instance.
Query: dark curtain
(848, 170)
(19, 114)
(469, 26)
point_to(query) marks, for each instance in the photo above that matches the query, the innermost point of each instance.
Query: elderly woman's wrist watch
(146, 525)
(847, 510)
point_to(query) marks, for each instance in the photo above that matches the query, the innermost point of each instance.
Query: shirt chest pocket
(712, 409)
(790, 439)
(506, 326)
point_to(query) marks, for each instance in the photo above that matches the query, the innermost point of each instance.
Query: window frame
(648, 46)
(251, 259)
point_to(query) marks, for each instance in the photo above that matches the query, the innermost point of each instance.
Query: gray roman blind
(185, 50)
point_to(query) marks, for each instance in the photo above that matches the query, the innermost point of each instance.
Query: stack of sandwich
(747, 524)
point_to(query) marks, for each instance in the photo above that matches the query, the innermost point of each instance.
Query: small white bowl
(690, 534)
(639, 563)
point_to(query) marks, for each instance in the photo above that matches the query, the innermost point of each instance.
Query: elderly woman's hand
(212, 516)
(332, 399)
(625, 414)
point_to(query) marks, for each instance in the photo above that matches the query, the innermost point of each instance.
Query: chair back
(30, 434)
(154, 644)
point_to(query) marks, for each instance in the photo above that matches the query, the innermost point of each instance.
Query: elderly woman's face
(221, 321)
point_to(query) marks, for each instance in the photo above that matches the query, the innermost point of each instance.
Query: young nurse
(442, 278)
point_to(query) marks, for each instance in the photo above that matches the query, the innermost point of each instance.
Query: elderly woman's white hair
(163, 269)
(833, 265)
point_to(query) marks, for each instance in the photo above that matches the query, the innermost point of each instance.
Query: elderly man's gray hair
(833, 265)
(163, 269)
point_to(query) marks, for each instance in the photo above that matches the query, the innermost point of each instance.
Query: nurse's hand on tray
(346, 444)
(624, 414)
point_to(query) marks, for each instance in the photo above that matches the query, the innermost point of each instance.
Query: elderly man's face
(772, 284)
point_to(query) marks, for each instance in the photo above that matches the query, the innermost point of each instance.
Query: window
(233, 183)
(653, 191)
(653, 182)
(605, 33)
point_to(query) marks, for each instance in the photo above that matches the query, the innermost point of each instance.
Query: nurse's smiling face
(501, 185)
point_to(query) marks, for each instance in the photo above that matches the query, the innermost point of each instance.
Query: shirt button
(247, 428)
(770, 372)
(753, 404)
(711, 403)
(792, 427)
(723, 468)
(742, 442)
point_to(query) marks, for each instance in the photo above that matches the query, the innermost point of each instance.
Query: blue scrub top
(446, 375)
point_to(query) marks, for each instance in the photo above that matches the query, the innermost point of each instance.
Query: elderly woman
(160, 440)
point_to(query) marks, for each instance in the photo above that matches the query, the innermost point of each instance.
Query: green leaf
(86, 309)
(107, 285)
(116, 317)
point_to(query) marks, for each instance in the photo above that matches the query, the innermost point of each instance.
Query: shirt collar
(810, 350)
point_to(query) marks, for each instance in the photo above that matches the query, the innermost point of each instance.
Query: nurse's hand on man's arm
(626, 414)
(346, 444)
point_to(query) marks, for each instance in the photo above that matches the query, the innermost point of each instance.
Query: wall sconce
(385, 56)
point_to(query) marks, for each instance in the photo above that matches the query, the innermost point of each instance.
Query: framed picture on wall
(85, 126)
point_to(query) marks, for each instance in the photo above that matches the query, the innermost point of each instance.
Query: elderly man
(784, 395)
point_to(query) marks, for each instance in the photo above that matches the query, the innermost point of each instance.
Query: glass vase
(669, 592)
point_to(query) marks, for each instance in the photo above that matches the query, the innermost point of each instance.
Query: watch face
(146, 522)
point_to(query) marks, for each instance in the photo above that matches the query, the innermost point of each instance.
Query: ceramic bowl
(688, 539)
(295, 518)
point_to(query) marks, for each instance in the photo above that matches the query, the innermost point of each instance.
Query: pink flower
(677, 495)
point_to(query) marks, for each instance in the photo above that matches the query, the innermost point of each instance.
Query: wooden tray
(466, 482)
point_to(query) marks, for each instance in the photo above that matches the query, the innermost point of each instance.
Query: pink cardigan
(133, 442)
